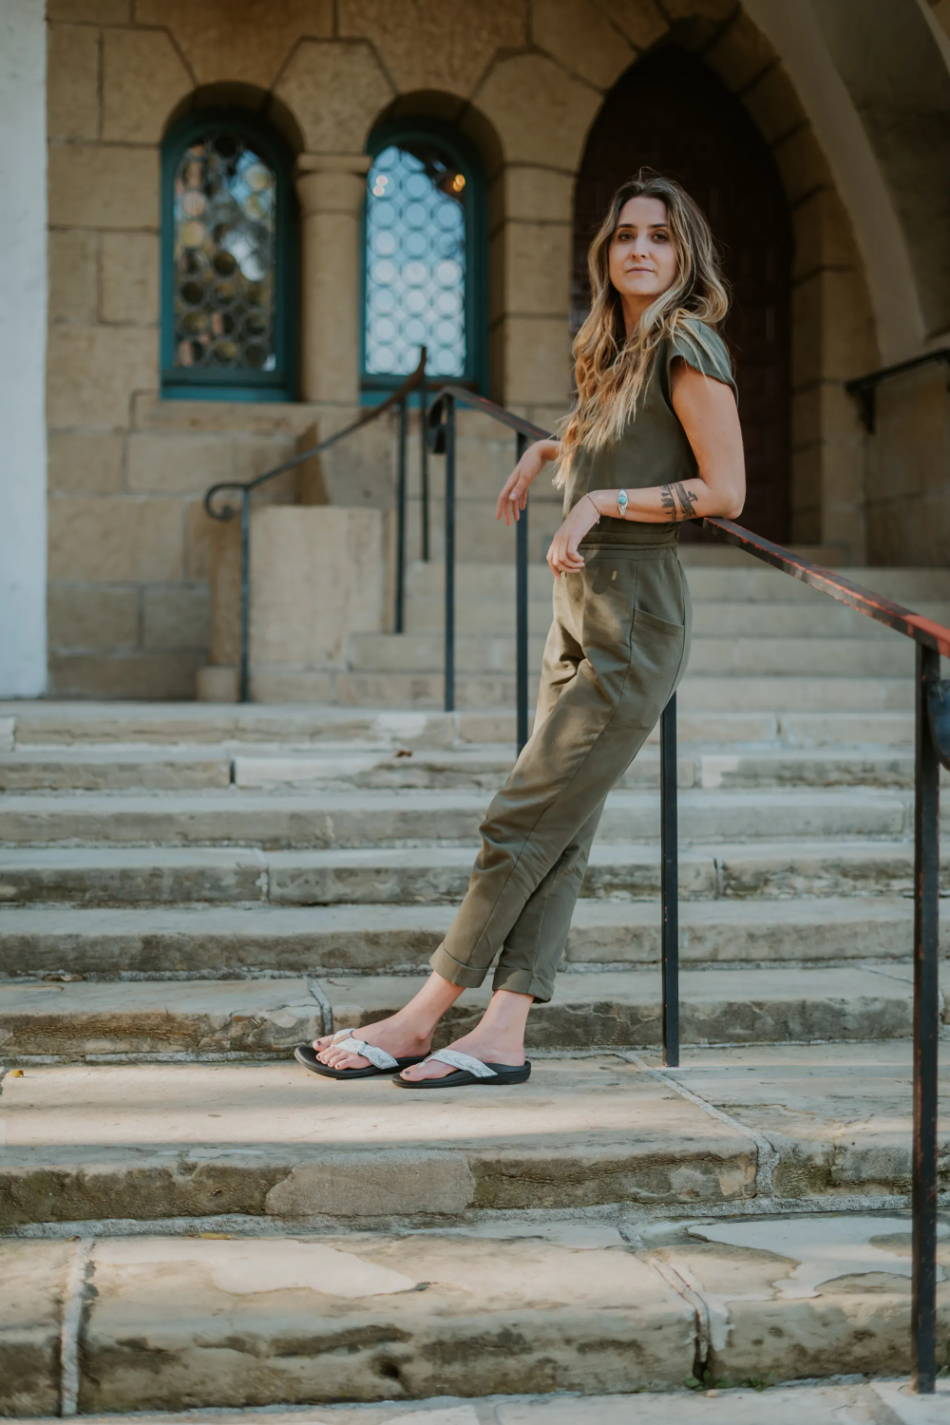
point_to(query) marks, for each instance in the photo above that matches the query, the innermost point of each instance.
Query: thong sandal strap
(380, 1057)
(465, 1061)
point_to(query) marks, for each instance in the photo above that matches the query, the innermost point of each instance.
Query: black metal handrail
(864, 388)
(415, 381)
(932, 746)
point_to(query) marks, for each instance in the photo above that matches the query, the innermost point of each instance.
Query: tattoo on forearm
(670, 494)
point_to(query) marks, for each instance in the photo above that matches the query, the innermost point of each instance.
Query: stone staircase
(187, 890)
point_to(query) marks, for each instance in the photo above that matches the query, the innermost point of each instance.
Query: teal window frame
(199, 384)
(375, 386)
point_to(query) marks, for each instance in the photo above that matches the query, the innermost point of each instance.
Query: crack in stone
(689, 1291)
(78, 1280)
(767, 1156)
(326, 1009)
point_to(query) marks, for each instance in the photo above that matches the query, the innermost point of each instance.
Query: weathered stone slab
(131, 875)
(819, 1403)
(67, 1020)
(195, 1140)
(34, 1280)
(797, 1297)
(391, 938)
(434, 874)
(911, 1409)
(359, 818)
(839, 1115)
(710, 655)
(624, 1008)
(438, 874)
(112, 769)
(355, 1318)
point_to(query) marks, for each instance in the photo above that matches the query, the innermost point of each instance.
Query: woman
(650, 442)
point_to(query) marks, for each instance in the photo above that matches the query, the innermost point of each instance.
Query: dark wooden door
(671, 112)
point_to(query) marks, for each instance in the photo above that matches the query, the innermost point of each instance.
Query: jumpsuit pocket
(642, 618)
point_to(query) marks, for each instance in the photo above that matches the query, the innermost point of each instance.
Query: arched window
(229, 261)
(424, 260)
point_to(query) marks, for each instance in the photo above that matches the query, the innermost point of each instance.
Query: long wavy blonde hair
(611, 369)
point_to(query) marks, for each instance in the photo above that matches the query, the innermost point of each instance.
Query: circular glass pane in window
(415, 197)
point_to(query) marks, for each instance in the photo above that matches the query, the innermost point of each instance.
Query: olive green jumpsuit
(615, 652)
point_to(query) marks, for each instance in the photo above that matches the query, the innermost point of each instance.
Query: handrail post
(521, 610)
(449, 692)
(245, 672)
(669, 886)
(926, 1029)
(400, 516)
(423, 475)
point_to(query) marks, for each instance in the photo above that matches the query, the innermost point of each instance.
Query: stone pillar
(330, 189)
(23, 350)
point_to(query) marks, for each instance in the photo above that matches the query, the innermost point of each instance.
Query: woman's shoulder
(701, 346)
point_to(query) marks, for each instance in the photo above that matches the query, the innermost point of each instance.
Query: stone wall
(128, 596)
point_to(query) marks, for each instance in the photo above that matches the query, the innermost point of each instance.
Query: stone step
(160, 1141)
(265, 1018)
(494, 614)
(331, 818)
(110, 768)
(164, 875)
(710, 655)
(424, 732)
(485, 765)
(734, 576)
(825, 1401)
(233, 940)
(320, 1317)
(698, 692)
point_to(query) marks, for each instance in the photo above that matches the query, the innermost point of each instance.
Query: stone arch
(257, 103)
(832, 335)
(899, 84)
(672, 113)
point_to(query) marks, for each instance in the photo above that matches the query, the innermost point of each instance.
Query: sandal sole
(461, 1078)
(306, 1054)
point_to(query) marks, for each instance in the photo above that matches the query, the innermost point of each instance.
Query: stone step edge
(830, 1401)
(50, 1021)
(683, 1300)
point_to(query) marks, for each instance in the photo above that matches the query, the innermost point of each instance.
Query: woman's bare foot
(398, 1033)
(491, 1047)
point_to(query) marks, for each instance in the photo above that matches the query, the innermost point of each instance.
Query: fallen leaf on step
(403, 752)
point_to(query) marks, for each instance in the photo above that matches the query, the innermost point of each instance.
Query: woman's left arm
(706, 409)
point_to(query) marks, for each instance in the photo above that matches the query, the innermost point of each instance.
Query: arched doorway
(671, 112)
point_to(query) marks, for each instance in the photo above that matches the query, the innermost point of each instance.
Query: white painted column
(23, 349)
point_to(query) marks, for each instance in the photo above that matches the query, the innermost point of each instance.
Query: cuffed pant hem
(453, 970)
(522, 982)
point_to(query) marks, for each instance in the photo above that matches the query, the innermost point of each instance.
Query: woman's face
(642, 260)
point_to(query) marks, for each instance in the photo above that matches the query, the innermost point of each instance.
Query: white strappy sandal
(469, 1070)
(380, 1060)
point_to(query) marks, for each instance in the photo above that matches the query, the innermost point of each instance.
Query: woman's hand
(562, 555)
(514, 494)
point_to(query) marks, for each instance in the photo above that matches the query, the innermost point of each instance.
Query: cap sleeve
(702, 347)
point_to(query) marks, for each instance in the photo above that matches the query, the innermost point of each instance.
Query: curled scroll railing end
(223, 512)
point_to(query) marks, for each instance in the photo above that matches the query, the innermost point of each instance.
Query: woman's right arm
(514, 493)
